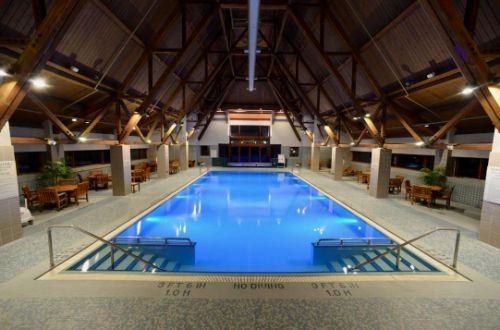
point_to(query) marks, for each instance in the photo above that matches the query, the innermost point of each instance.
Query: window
(470, 167)
(136, 154)
(204, 151)
(294, 151)
(361, 156)
(30, 162)
(87, 157)
(413, 162)
(250, 130)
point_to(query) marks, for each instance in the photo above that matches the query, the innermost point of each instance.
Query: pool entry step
(337, 259)
(167, 258)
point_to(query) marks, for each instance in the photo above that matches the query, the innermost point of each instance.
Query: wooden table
(435, 189)
(70, 189)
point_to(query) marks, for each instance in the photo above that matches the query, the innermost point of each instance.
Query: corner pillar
(10, 216)
(489, 226)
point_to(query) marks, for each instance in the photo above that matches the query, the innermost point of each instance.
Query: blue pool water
(255, 222)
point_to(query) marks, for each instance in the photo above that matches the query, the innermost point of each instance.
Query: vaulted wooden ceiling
(374, 68)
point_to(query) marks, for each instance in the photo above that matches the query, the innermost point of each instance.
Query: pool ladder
(115, 246)
(396, 248)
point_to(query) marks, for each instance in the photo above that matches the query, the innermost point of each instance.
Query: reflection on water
(251, 221)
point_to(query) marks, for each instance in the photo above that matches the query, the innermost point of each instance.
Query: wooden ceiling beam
(226, 39)
(395, 110)
(278, 99)
(14, 89)
(129, 127)
(167, 134)
(215, 105)
(278, 42)
(284, 103)
(94, 122)
(53, 118)
(465, 53)
(372, 129)
(39, 11)
(160, 84)
(472, 105)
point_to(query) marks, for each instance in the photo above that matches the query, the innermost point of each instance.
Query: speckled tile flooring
(339, 303)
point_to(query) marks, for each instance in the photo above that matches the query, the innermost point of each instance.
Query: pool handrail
(400, 246)
(108, 243)
(165, 240)
(343, 240)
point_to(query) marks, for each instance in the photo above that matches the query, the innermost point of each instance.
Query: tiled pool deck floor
(344, 303)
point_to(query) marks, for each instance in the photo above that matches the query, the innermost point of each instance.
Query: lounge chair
(82, 192)
(407, 189)
(32, 198)
(281, 161)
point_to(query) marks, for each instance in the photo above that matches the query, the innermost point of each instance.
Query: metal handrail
(342, 240)
(165, 240)
(400, 246)
(108, 243)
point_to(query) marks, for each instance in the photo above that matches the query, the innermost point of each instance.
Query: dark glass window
(87, 157)
(235, 130)
(361, 156)
(412, 162)
(250, 130)
(136, 154)
(294, 151)
(470, 167)
(205, 151)
(29, 162)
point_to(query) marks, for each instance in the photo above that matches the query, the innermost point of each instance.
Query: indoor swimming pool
(250, 222)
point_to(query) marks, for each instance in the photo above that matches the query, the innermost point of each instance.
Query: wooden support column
(10, 218)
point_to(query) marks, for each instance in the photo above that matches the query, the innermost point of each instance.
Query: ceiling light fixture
(367, 115)
(148, 141)
(352, 143)
(4, 73)
(468, 90)
(39, 83)
(426, 125)
(419, 143)
(74, 68)
(73, 119)
(431, 75)
(82, 139)
(356, 118)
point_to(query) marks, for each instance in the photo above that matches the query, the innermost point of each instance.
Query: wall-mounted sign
(8, 179)
(492, 186)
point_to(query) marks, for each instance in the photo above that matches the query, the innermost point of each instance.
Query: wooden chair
(63, 182)
(349, 171)
(174, 166)
(138, 175)
(147, 173)
(82, 192)
(50, 197)
(446, 195)
(31, 197)
(153, 165)
(101, 181)
(82, 178)
(401, 180)
(421, 193)
(407, 189)
(95, 172)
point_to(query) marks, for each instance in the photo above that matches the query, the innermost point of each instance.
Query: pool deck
(340, 302)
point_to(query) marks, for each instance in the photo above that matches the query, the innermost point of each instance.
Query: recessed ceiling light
(367, 115)
(148, 141)
(468, 90)
(430, 75)
(426, 125)
(82, 139)
(74, 68)
(39, 83)
(73, 119)
(87, 122)
(4, 73)
(420, 143)
(352, 143)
